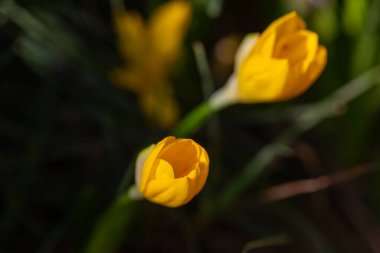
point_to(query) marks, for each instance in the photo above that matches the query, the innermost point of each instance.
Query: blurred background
(68, 134)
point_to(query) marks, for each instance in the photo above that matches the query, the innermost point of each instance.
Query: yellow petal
(160, 190)
(203, 170)
(183, 193)
(193, 174)
(164, 170)
(130, 29)
(311, 48)
(167, 28)
(297, 47)
(171, 193)
(141, 157)
(261, 79)
(286, 24)
(150, 163)
(299, 80)
(318, 64)
(265, 46)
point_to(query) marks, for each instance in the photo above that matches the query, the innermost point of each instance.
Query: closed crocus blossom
(172, 172)
(277, 65)
(150, 50)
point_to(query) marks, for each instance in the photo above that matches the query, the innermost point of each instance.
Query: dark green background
(67, 134)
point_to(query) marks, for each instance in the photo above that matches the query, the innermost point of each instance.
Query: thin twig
(295, 188)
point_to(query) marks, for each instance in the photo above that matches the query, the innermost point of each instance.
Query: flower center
(182, 156)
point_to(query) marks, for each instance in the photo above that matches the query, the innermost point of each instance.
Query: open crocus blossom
(277, 65)
(172, 172)
(149, 50)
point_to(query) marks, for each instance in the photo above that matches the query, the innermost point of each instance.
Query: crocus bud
(172, 172)
(277, 65)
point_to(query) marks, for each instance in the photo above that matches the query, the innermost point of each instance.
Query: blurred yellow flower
(150, 50)
(280, 64)
(172, 172)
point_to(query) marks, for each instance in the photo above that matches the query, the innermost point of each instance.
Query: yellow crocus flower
(150, 50)
(278, 65)
(172, 172)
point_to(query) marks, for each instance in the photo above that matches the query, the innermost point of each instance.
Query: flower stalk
(109, 231)
(194, 120)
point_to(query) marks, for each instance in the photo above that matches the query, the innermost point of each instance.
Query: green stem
(108, 233)
(194, 120)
